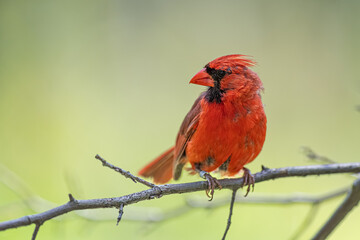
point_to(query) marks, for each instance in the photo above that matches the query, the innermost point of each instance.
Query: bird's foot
(212, 182)
(249, 180)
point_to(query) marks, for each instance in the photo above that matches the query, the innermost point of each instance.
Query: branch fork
(162, 190)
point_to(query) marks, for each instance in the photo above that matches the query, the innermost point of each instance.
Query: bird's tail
(161, 168)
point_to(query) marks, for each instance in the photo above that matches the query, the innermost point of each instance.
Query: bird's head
(228, 73)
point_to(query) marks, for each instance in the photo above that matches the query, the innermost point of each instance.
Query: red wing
(187, 129)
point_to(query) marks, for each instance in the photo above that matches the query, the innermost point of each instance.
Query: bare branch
(13, 182)
(230, 213)
(121, 212)
(168, 189)
(36, 230)
(316, 157)
(307, 221)
(127, 174)
(194, 202)
(265, 199)
(351, 200)
(313, 156)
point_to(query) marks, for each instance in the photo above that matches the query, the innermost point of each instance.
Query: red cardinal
(225, 128)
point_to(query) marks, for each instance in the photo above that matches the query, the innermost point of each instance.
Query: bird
(224, 130)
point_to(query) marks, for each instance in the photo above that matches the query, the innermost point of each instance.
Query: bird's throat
(214, 94)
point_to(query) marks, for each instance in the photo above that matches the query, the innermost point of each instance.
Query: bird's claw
(212, 183)
(249, 180)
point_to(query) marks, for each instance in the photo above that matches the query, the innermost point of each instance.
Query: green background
(79, 78)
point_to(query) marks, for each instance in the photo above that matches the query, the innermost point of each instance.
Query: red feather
(225, 128)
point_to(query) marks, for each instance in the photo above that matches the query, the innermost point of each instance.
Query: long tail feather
(161, 168)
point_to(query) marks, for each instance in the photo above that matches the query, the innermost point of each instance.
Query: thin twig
(32, 201)
(196, 202)
(351, 200)
(312, 155)
(169, 189)
(307, 221)
(230, 213)
(294, 198)
(127, 174)
(36, 230)
(121, 212)
(16, 184)
(71, 198)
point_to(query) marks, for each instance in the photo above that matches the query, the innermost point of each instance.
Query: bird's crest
(231, 61)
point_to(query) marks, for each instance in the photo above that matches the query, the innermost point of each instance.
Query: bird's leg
(212, 182)
(249, 180)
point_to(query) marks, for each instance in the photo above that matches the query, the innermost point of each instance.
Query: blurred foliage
(79, 78)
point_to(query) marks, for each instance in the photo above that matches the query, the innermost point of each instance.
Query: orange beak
(202, 78)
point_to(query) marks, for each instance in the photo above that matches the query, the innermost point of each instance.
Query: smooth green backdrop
(79, 78)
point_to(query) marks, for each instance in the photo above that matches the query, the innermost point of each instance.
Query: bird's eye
(217, 75)
(220, 74)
